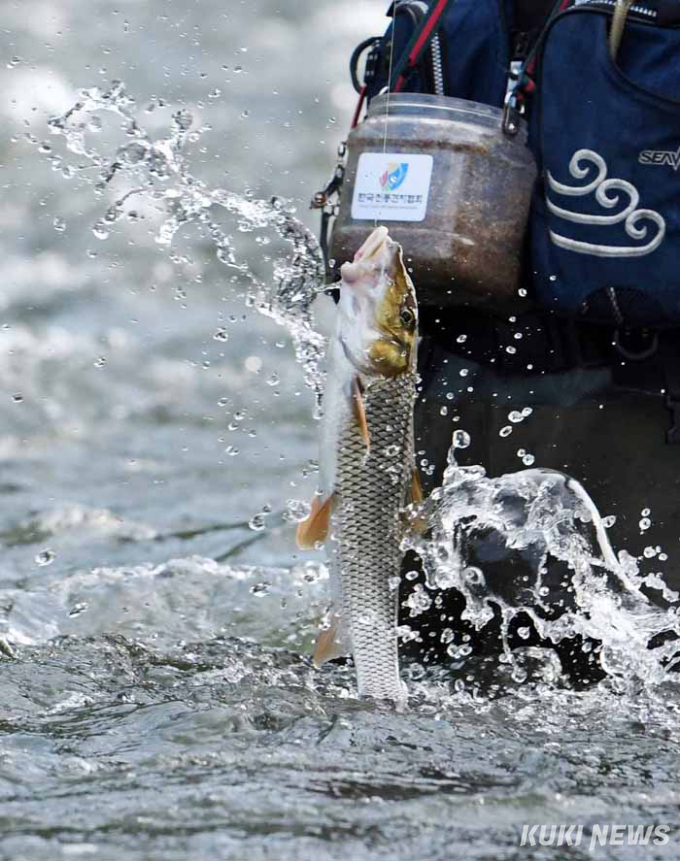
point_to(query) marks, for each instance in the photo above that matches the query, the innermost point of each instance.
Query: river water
(157, 444)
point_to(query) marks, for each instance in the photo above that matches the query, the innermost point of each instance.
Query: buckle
(651, 339)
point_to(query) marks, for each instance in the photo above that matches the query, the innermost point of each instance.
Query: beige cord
(618, 25)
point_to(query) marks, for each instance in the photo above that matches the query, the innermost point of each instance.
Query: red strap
(422, 40)
(360, 104)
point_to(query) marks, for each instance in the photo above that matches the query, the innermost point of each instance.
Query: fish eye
(406, 316)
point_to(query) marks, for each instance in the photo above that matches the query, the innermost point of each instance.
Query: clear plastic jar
(450, 185)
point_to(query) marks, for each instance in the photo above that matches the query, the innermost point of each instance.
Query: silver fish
(368, 471)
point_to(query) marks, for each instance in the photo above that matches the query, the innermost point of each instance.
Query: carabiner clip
(511, 115)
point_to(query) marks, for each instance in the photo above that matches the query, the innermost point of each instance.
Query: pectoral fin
(316, 527)
(414, 496)
(416, 491)
(330, 644)
(359, 411)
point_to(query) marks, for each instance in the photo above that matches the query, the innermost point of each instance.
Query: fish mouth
(378, 252)
(373, 245)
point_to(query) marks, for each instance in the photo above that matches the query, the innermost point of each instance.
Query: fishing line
(389, 80)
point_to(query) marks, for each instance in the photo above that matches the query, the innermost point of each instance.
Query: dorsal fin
(359, 411)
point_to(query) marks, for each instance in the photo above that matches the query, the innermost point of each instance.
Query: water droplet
(59, 224)
(100, 362)
(506, 431)
(460, 439)
(259, 590)
(257, 523)
(273, 380)
(464, 372)
(231, 451)
(461, 339)
(77, 609)
(524, 633)
(528, 460)
(17, 398)
(474, 576)
(253, 364)
(515, 417)
(444, 411)
(100, 231)
(644, 524)
(45, 557)
(221, 335)
(609, 521)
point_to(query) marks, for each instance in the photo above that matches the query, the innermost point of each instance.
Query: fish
(368, 473)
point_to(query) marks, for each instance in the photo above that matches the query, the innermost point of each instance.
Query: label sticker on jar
(392, 186)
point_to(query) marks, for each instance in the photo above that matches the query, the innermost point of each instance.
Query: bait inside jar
(453, 189)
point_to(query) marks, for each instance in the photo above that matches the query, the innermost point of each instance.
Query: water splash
(548, 521)
(156, 168)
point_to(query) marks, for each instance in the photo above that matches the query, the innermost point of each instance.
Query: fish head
(378, 313)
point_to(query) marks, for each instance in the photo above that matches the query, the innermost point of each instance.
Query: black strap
(418, 43)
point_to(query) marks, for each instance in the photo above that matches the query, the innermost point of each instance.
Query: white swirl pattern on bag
(609, 194)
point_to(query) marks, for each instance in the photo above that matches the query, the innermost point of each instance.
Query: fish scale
(369, 526)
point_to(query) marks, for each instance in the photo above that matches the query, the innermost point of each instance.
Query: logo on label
(394, 176)
(392, 186)
(660, 157)
(609, 194)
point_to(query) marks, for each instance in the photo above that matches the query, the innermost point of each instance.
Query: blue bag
(605, 222)
(474, 42)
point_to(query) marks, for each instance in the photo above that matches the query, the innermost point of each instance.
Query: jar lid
(436, 107)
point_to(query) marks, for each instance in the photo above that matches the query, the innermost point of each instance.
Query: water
(158, 703)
